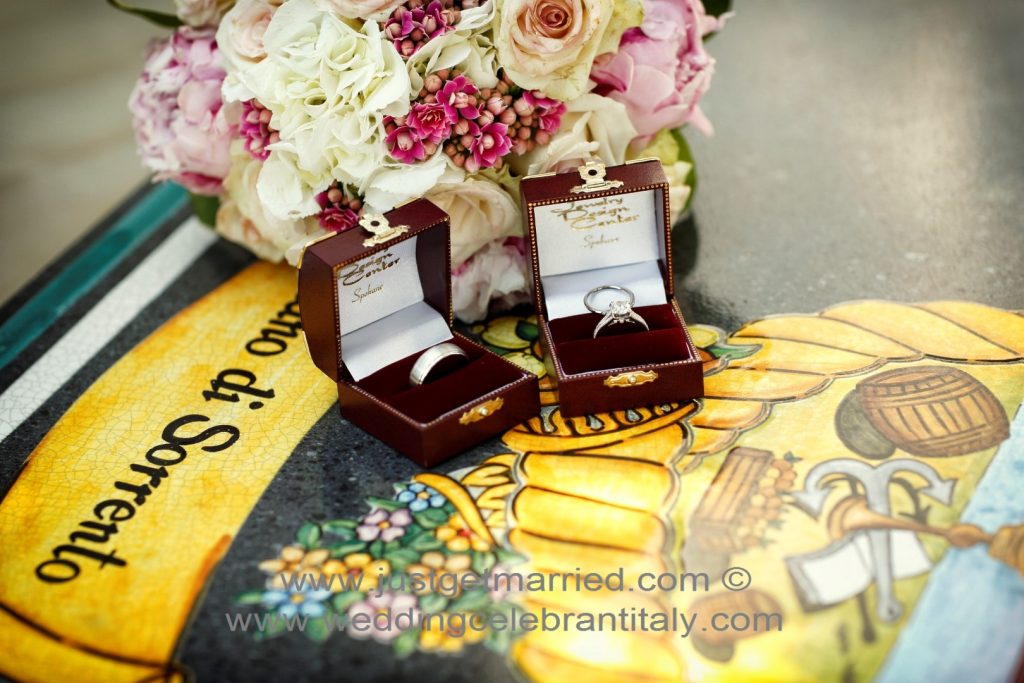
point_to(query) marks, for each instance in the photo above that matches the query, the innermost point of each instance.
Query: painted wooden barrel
(933, 411)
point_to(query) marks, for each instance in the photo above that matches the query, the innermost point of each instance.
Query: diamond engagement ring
(618, 311)
(430, 359)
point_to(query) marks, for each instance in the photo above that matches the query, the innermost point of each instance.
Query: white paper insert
(586, 243)
(382, 312)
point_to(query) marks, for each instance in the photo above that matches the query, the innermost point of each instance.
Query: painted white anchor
(876, 481)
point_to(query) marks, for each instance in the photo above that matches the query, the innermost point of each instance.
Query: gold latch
(593, 175)
(631, 379)
(482, 411)
(382, 231)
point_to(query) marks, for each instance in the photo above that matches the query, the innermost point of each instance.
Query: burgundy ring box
(372, 299)
(608, 226)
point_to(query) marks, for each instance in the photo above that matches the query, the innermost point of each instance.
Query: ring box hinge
(382, 231)
(593, 175)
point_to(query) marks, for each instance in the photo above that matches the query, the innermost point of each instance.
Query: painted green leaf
(385, 503)
(527, 331)
(335, 526)
(405, 644)
(308, 535)
(317, 630)
(401, 558)
(432, 603)
(471, 601)
(345, 547)
(483, 561)
(249, 598)
(426, 540)
(342, 601)
(376, 549)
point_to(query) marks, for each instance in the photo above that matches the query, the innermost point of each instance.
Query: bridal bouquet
(295, 116)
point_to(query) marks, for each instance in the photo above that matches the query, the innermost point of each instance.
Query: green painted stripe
(79, 276)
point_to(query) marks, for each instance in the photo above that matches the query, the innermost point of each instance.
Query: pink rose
(661, 69)
(240, 36)
(181, 127)
(202, 12)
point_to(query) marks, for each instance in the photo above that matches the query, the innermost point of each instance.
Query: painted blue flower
(419, 497)
(308, 602)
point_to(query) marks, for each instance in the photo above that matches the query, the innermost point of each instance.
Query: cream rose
(241, 217)
(202, 12)
(550, 45)
(363, 9)
(481, 212)
(665, 147)
(240, 35)
(593, 127)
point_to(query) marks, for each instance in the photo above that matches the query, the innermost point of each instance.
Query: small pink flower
(548, 112)
(429, 122)
(405, 145)
(384, 525)
(384, 611)
(256, 131)
(457, 96)
(489, 144)
(339, 211)
(410, 29)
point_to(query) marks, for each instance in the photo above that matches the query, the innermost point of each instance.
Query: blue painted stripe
(969, 623)
(82, 274)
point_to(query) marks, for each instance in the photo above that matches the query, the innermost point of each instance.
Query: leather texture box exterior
(626, 387)
(426, 443)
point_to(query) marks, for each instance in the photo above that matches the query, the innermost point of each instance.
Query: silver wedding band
(429, 359)
(618, 311)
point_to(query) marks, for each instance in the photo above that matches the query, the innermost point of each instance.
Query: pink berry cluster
(476, 127)
(415, 23)
(256, 131)
(339, 208)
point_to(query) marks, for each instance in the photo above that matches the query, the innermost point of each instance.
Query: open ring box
(608, 226)
(375, 297)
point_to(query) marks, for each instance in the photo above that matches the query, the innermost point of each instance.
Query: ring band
(430, 359)
(606, 288)
(618, 311)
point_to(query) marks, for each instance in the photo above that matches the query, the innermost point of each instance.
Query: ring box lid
(598, 226)
(380, 291)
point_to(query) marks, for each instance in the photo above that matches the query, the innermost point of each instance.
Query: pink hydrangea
(181, 127)
(661, 69)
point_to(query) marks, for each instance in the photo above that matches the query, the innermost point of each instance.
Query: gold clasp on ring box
(482, 411)
(382, 231)
(593, 175)
(631, 379)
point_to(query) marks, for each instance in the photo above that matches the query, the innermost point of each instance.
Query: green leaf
(426, 541)
(432, 603)
(506, 556)
(528, 331)
(376, 549)
(308, 535)
(405, 644)
(471, 601)
(385, 503)
(733, 351)
(483, 561)
(205, 208)
(249, 598)
(276, 625)
(401, 557)
(317, 630)
(431, 518)
(498, 640)
(686, 154)
(337, 526)
(717, 8)
(345, 547)
(342, 601)
(158, 18)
